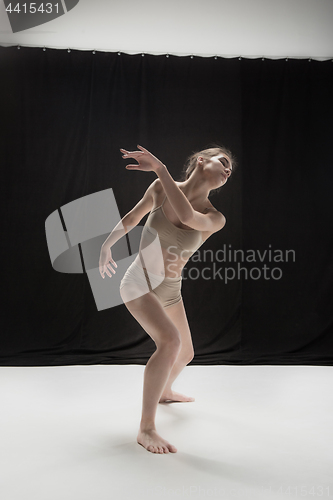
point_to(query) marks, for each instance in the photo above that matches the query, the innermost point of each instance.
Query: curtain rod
(191, 56)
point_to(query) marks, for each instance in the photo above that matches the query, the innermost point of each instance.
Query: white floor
(254, 432)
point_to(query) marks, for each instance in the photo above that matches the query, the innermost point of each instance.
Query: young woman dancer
(183, 218)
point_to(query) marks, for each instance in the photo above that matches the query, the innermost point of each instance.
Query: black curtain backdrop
(64, 116)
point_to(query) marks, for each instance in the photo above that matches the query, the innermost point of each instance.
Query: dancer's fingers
(131, 153)
(144, 150)
(111, 268)
(107, 272)
(133, 167)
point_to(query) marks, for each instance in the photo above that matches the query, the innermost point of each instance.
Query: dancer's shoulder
(156, 186)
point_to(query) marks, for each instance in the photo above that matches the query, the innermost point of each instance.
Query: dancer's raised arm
(211, 221)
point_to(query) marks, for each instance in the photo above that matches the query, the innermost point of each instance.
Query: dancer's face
(217, 169)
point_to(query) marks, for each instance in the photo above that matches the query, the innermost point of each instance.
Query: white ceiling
(229, 28)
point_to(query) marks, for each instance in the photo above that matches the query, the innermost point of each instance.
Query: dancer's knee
(171, 343)
(186, 357)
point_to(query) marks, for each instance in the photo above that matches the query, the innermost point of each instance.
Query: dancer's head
(211, 158)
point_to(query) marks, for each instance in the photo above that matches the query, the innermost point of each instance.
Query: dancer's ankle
(146, 426)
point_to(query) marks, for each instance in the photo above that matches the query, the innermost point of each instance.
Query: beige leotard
(183, 242)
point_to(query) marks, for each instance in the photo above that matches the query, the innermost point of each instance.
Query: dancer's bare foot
(175, 397)
(154, 443)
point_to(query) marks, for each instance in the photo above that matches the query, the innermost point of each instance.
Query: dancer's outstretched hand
(105, 261)
(146, 161)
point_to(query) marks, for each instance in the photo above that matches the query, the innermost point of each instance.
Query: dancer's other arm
(130, 220)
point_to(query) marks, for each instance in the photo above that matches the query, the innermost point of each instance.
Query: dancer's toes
(154, 443)
(172, 448)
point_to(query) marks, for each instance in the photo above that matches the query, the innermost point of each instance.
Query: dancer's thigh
(177, 315)
(150, 314)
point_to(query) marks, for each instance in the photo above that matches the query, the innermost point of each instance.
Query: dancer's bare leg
(177, 314)
(148, 311)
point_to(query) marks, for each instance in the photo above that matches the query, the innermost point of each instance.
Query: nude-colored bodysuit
(183, 242)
